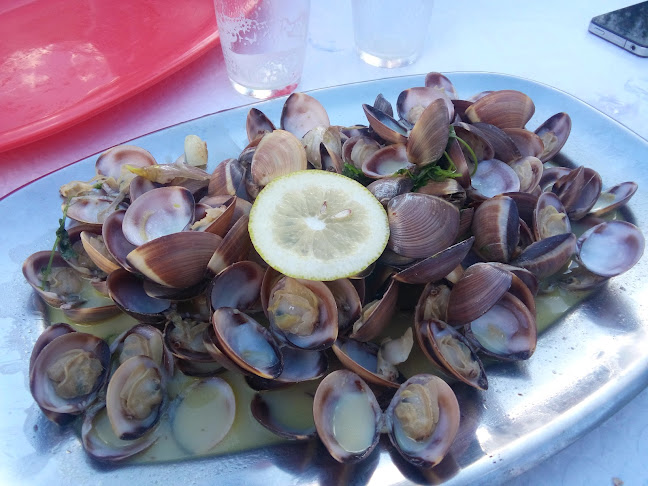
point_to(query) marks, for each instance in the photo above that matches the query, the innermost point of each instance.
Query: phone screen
(630, 23)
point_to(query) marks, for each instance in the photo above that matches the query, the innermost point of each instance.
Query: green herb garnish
(352, 172)
(431, 172)
(464, 144)
(62, 241)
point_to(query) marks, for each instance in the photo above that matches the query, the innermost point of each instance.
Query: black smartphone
(626, 27)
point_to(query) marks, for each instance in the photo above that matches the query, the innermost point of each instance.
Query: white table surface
(544, 41)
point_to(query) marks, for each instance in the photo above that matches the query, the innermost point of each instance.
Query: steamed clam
(480, 224)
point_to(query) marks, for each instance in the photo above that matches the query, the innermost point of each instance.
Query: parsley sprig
(63, 242)
(352, 172)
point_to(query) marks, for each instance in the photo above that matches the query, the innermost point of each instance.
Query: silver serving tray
(584, 369)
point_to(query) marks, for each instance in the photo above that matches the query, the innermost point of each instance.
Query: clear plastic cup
(264, 42)
(390, 33)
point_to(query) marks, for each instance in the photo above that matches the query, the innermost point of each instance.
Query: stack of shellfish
(168, 245)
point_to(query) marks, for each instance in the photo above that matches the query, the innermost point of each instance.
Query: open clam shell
(447, 347)
(412, 102)
(385, 126)
(299, 365)
(614, 198)
(376, 315)
(96, 250)
(203, 414)
(113, 237)
(63, 286)
(246, 343)
(507, 331)
(128, 293)
(238, 286)
(301, 113)
(422, 419)
(432, 303)
(578, 191)
(554, 132)
(493, 177)
(303, 312)
(356, 150)
(100, 441)
(157, 213)
(347, 301)
(347, 416)
(439, 81)
(91, 209)
(386, 161)
(47, 336)
(287, 413)
(110, 162)
(529, 170)
(144, 340)
(135, 397)
(611, 248)
(214, 219)
(362, 358)
(51, 380)
(550, 217)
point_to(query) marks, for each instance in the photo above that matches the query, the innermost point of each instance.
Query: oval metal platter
(586, 366)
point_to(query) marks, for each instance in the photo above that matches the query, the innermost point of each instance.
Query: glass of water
(390, 33)
(264, 42)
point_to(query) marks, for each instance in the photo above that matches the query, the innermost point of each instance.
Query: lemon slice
(318, 225)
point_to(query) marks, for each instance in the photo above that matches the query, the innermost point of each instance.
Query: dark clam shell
(385, 126)
(480, 287)
(437, 266)
(127, 291)
(548, 256)
(504, 109)
(421, 225)
(553, 133)
(496, 228)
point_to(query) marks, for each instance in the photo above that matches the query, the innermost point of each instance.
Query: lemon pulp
(318, 225)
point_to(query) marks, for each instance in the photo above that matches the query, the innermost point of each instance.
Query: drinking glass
(390, 33)
(264, 42)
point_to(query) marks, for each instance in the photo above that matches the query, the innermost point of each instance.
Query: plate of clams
(144, 337)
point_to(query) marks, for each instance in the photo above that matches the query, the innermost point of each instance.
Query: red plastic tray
(62, 61)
